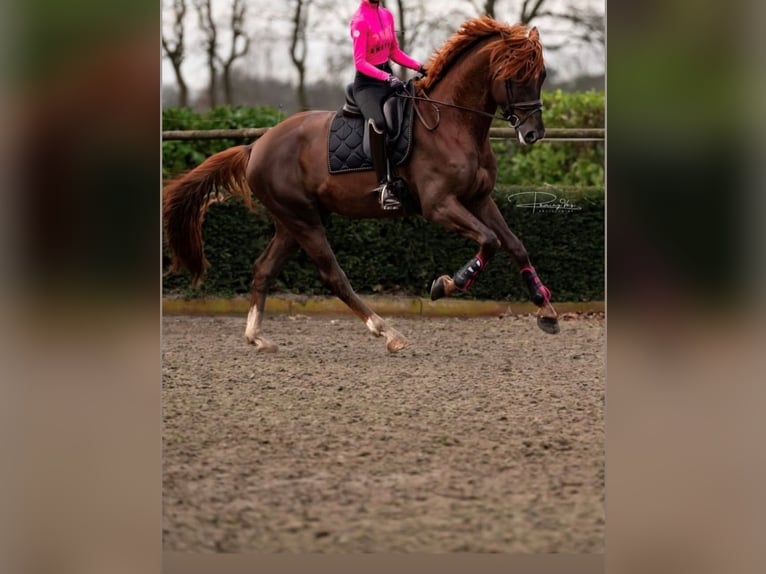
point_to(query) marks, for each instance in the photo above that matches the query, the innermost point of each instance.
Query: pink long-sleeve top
(374, 38)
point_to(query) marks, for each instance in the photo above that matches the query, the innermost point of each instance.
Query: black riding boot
(388, 186)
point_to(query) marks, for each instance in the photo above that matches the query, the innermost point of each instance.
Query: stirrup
(388, 200)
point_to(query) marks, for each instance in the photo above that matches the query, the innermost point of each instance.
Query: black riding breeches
(369, 94)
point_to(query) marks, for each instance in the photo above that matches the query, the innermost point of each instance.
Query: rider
(374, 40)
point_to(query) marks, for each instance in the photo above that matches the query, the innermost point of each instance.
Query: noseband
(509, 110)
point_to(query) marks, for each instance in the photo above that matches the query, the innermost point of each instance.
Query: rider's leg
(378, 152)
(381, 161)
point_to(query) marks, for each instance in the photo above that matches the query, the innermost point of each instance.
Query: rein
(508, 116)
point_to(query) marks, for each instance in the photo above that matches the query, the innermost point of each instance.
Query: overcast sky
(330, 44)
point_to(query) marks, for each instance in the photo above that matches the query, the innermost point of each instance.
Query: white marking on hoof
(253, 330)
(253, 325)
(373, 327)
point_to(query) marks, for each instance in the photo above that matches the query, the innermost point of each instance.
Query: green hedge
(179, 156)
(405, 255)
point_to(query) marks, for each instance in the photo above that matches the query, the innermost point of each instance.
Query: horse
(450, 174)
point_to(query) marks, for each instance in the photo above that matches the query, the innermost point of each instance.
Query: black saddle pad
(346, 138)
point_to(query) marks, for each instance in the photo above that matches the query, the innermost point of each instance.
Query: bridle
(509, 110)
(530, 106)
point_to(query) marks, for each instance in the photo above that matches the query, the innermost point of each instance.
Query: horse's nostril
(530, 137)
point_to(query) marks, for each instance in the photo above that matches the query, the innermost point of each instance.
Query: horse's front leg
(489, 213)
(452, 215)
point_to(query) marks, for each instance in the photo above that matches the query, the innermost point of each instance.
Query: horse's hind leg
(266, 268)
(314, 242)
(489, 213)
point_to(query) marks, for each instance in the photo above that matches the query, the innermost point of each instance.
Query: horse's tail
(186, 199)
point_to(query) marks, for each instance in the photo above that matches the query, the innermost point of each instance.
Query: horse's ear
(533, 34)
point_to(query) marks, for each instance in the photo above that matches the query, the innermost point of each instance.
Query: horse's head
(522, 107)
(517, 81)
(512, 57)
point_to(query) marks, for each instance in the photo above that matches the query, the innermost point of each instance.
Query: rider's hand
(395, 83)
(422, 71)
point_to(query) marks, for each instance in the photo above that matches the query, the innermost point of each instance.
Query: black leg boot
(380, 161)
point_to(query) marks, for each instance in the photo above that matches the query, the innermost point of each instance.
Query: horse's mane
(517, 48)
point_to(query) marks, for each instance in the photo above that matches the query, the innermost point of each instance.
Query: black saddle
(348, 139)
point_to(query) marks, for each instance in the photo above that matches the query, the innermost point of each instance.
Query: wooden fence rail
(560, 134)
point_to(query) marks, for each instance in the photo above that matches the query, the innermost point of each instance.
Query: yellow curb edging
(383, 305)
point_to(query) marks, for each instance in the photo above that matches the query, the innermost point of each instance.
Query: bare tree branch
(489, 8)
(401, 27)
(239, 47)
(412, 21)
(175, 50)
(527, 13)
(210, 31)
(587, 26)
(299, 48)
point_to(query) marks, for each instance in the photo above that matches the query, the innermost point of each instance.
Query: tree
(488, 8)
(210, 32)
(411, 20)
(401, 28)
(299, 47)
(582, 20)
(240, 45)
(529, 9)
(175, 49)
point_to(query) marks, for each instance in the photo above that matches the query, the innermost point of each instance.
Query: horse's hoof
(397, 344)
(267, 348)
(437, 289)
(440, 287)
(263, 345)
(548, 324)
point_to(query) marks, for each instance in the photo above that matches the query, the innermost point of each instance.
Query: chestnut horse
(450, 174)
